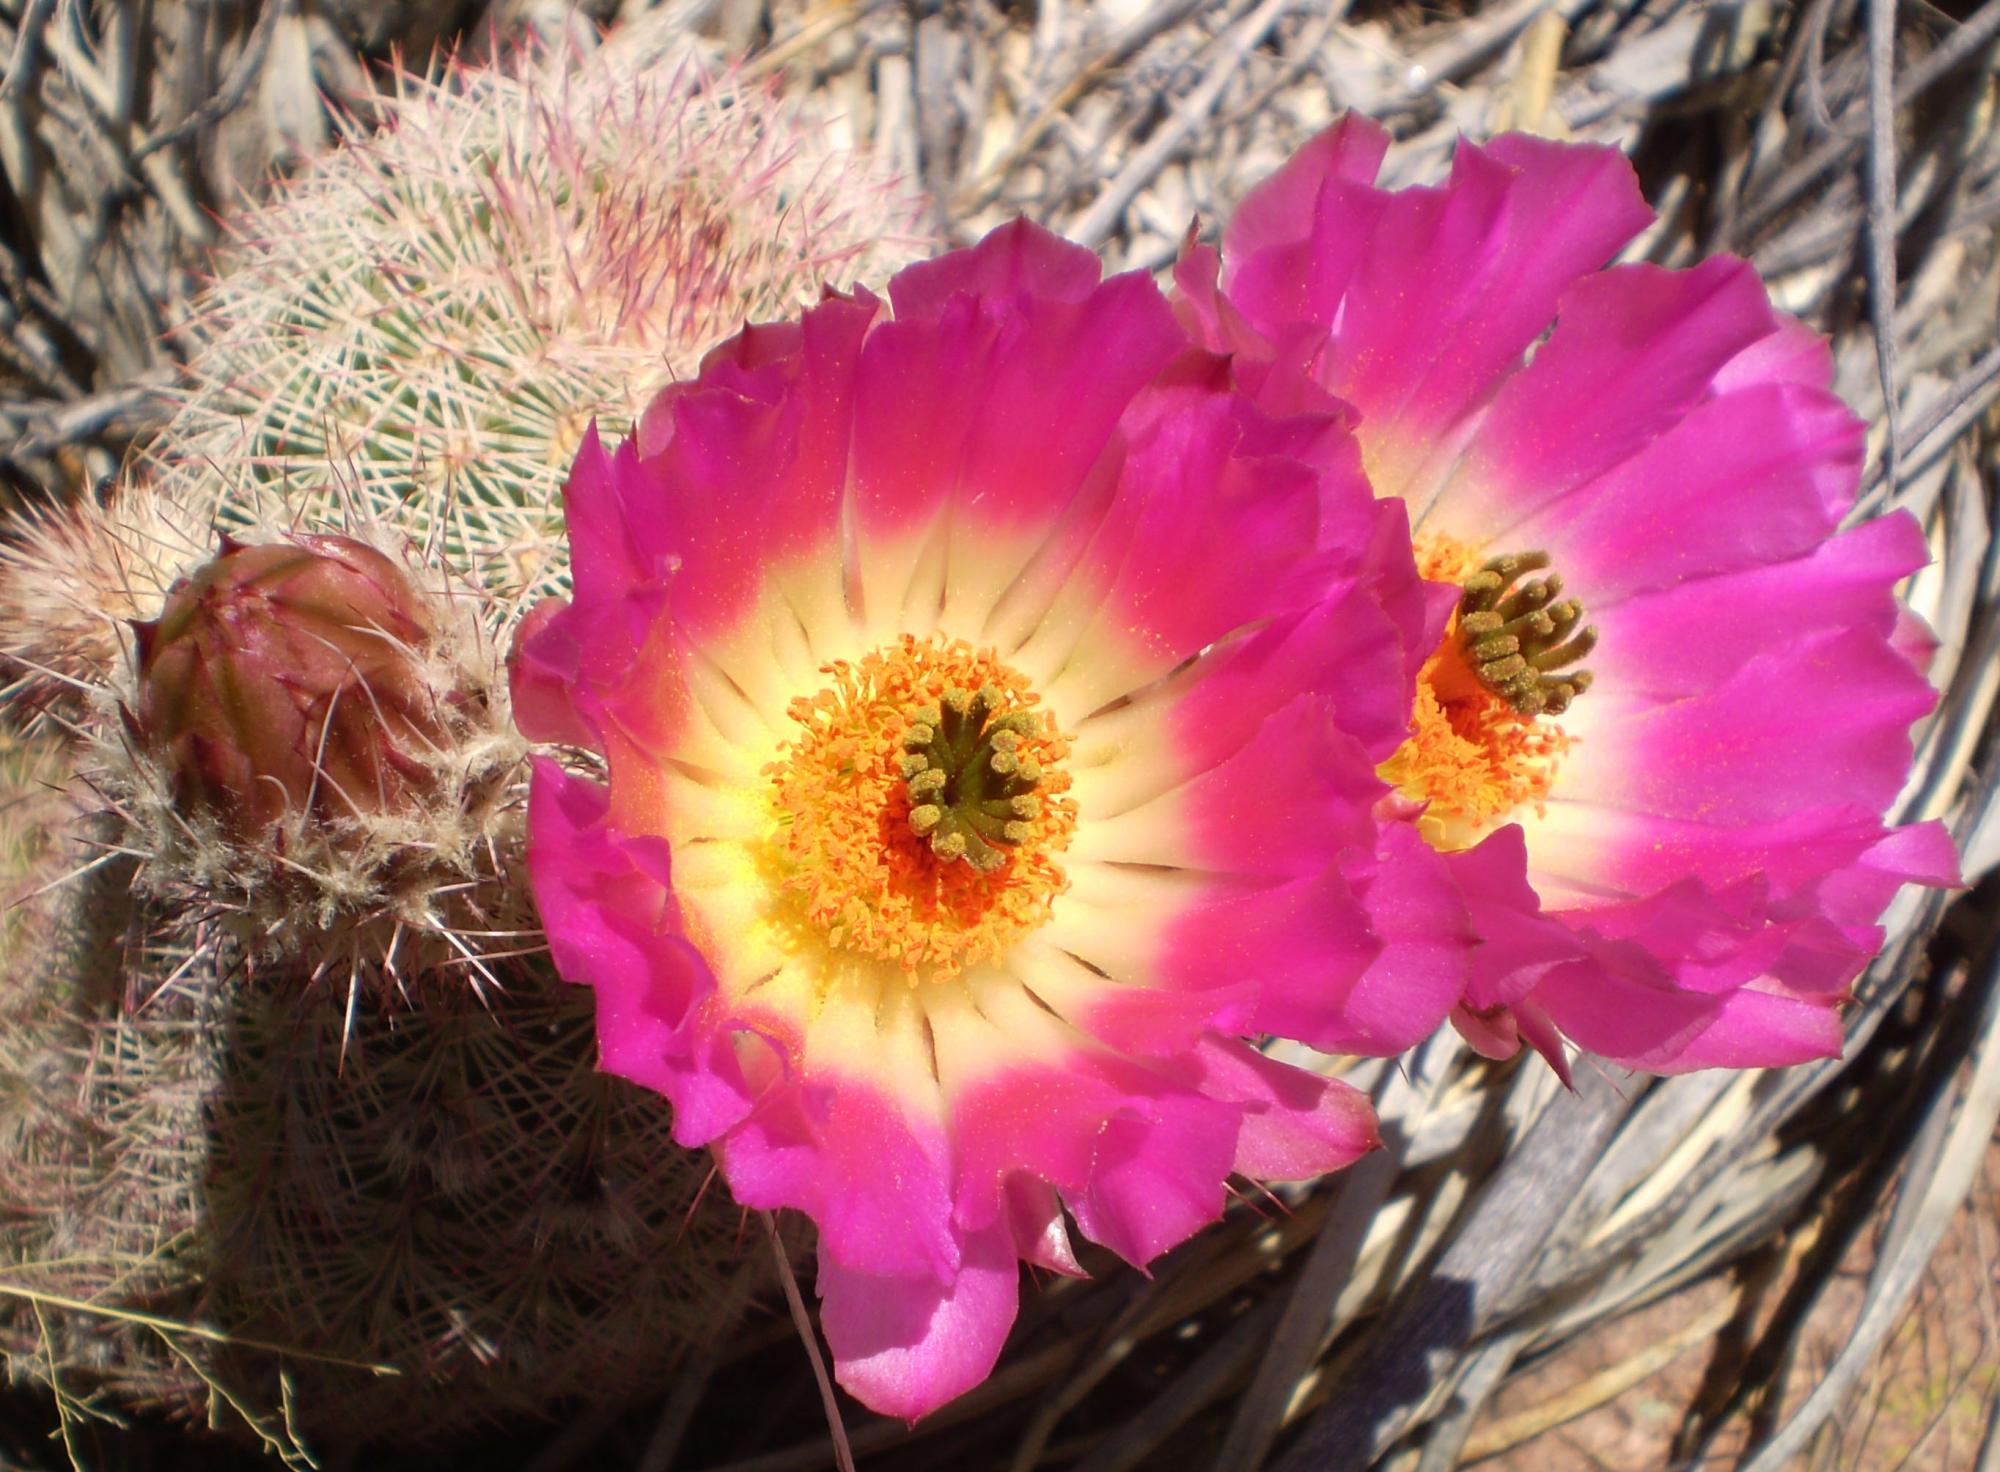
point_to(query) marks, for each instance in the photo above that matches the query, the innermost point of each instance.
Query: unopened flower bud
(284, 680)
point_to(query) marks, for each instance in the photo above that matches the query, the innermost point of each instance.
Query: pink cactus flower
(1673, 705)
(991, 700)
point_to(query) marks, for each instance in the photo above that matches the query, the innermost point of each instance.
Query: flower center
(919, 808)
(1483, 741)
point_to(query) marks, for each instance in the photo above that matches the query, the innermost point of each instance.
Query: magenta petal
(1518, 944)
(601, 550)
(781, 401)
(714, 538)
(1852, 895)
(1819, 960)
(1709, 940)
(1098, 1127)
(904, 1346)
(1017, 259)
(1293, 243)
(608, 916)
(1920, 853)
(542, 673)
(1041, 1121)
(733, 364)
(1843, 583)
(1422, 610)
(1756, 1029)
(1419, 919)
(1345, 648)
(1203, 470)
(1304, 944)
(1296, 1125)
(1155, 1021)
(1300, 751)
(1156, 1182)
(1732, 754)
(566, 814)
(1004, 403)
(1744, 481)
(1620, 1005)
(1457, 283)
(1284, 209)
(1357, 645)
(1793, 354)
(848, 1158)
(1634, 349)
(1641, 853)
(1685, 985)
(1035, 1217)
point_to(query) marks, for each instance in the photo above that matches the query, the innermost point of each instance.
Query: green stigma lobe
(1520, 641)
(972, 788)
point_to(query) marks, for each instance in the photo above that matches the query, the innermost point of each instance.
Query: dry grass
(1762, 1254)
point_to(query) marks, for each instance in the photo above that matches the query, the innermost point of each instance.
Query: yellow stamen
(845, 847)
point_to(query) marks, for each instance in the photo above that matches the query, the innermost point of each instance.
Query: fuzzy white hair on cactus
(72, 578)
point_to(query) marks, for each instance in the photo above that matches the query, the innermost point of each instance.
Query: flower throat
(920, 807)
(1484, 742)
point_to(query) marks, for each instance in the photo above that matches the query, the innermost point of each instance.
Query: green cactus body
(310, 748)
(311, 1216)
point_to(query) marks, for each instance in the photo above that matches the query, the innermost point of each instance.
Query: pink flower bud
(283, 680)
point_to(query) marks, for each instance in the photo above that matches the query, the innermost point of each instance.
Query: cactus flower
(991, 699)
(280, 683)
(1660, 736)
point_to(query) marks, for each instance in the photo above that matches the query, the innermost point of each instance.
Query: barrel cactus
(289, 1096)
(424, 325)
